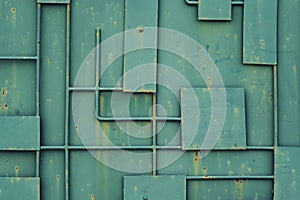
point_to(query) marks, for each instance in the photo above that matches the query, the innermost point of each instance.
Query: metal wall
(181, 100)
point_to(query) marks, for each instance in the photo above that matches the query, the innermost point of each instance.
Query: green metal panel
(288, 73)
(43, 44)
(260, 32)
(287, 178)
(233, 135)
(20, 133)
(214, 10)
(20, 188)
(154, 187)
(140, 14)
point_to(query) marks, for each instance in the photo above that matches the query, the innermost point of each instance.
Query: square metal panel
(233, 135)
(287, 177)
(260, 32)
(20, 133)
(154, 187)
(214, 10)
(20, 188)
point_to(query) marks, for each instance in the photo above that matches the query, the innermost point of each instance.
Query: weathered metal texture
(287, 177)
(214, 10)
(43, 44)
(154, 187)
(233, 134)
(260, 32)
(20, 133)
(138, 15)
(288, 73)
(20, 188)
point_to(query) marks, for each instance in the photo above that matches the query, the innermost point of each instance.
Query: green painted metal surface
(260, 32)
(18, 188)
(20, 133)
(43, 44)
(233, 135)
(287, 178)
(140, 14)
(214, 10)
(154, 187)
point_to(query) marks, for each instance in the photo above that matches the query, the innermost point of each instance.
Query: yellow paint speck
(236, 110)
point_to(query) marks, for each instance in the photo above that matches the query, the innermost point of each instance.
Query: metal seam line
(38, 34)
(67, 101)
(19, 57)
(190, 2)
(98, 39)
(227, 177)
(154, 135)
(275, 106)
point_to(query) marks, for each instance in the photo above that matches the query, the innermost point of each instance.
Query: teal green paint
(230, 189)
(20, 133)
(52, 175)
(18, 87)
(138, 15)
(154, 187)
(18, 28)
(219, 163)
(214, 10)
(287, 178)
(233, 135)
(17, 164)
(20, 188)
(288, 73)
(260, 32)
(52, 87)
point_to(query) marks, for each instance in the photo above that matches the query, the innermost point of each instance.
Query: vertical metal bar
(38, 54)
(98, 39)
(275, 105)
(154, 148)
(67, 101)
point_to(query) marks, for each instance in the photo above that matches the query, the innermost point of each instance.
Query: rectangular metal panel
(230, 189)
(260, 32)
(20, 188)
(214, 10)
(19, 133)
(154, 187)
(289, 73)
(233, 135)
(287, 177)
(139, 16)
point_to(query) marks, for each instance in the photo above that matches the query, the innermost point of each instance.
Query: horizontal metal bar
(260, 148)
(95, 89)
(124, 118)
(138, 118)
(227, 177)
(18, 57)
(191, 2)
(110, 147)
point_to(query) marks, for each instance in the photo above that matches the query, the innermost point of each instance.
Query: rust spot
(92, 197)
(3, 92)
(17, 170)
(6, 105)
(57, 177)
(140, 29)
(196, 156)
(13, 9)
(235, 35)
(262, 42)
(0, 106)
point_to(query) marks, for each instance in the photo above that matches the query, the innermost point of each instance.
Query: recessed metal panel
(20, 188)
(287, 177)
(214, 10)
(233, 135)
(154, 187)
(19, 133)
(260, 32)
